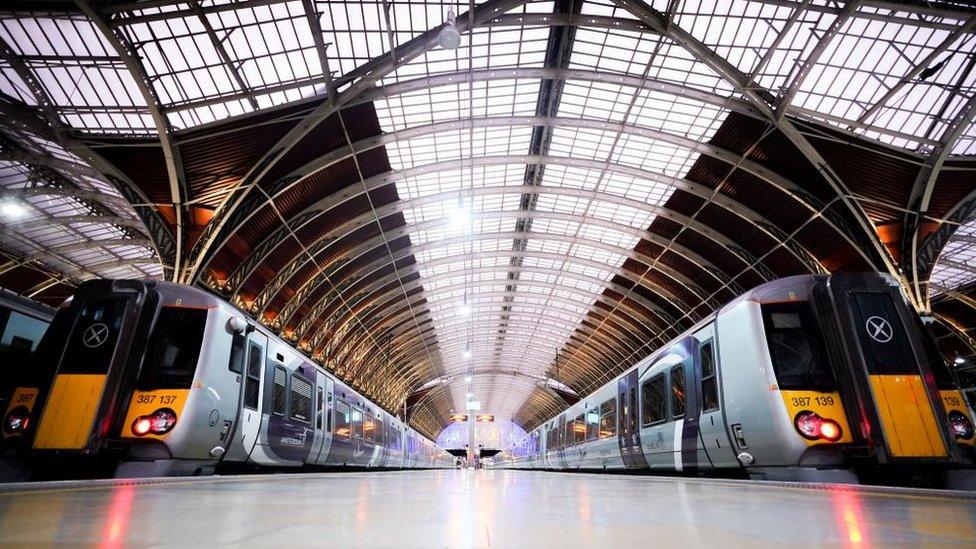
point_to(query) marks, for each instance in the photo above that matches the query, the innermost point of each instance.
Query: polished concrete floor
(477, 509)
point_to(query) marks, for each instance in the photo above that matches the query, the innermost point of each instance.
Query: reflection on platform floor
(478, 509)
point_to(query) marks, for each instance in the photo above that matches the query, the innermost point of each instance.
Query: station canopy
(513, 221)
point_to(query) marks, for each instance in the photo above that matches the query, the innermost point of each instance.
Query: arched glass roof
(573, 185)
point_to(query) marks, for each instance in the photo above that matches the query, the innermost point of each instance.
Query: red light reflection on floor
(850, 518)
(117, 520)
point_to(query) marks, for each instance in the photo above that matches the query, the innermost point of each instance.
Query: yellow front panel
(952, 401)
(910, 427)
(826, 405)
(70, 412)
(23, 396)
(146, 402)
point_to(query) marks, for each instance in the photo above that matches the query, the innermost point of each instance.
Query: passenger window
(319, 409)
(252, 383)
(20, 336)
(654, 404)
(237, 347)
(608, 419)
(592, 424)
(279, 391)
(357, 423)
(709, 382)
(633, 407)
(677, 391)
(579, 430)
(380, 434)
(343, 419)
(369, 428)
(301, 399)
(568, 433)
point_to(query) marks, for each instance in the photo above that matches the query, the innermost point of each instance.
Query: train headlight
(16, 421)
(159, 422)
(960, 425)
(813, 427)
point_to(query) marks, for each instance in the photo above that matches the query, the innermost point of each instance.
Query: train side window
(380, 434)
(369, 428)
(279, 393)
(709, 382)
(328, 414)
(343, 419)
(579, 430)
(301, 399)
(357, 422)
(568, 436)
(237, 354)
(678, 391)
(654, 403)
(592, 424)
(608, 419)
(320, 402)
(255, 356)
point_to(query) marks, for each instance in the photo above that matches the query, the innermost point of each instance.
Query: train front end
(112, 379)
(861, 383)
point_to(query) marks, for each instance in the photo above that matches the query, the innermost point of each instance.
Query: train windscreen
(795, 347)
(173, 349)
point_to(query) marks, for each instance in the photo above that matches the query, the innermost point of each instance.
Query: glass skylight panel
(676, 115)
(271, 49)
(585, 143)
(654, 155)
(957, 263)
(738, 30)
(490, 48)
(88, 84)
(496, 97)
(612, 50)
(595, 100)
(842, 87)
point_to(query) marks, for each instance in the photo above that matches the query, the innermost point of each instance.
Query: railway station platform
(467, 508)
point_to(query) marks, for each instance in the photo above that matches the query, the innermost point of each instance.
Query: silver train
(804, 378)
(22, 325)
(166, 379)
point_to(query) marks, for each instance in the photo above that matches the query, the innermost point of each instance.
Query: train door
(887, 373)
(323, 419)
(90, 363)
(714, 438)
(252, 394)
(628, 435)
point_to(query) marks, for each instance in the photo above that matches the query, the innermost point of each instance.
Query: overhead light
(449, 38)
(12, 210)
(959, 360)
(459, 217)
(468, 379)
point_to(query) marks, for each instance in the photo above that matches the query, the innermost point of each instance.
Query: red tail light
(16, 421)
(959, 425)
(813, 427)
(159, 422)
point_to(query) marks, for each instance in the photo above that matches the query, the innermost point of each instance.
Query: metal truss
(171, 154)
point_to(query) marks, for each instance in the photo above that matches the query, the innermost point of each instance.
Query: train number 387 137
(150, 399)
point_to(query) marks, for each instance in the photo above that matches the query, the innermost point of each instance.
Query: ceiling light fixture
(449, 38)
(12, 210)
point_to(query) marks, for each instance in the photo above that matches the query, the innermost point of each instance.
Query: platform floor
(477, 509)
